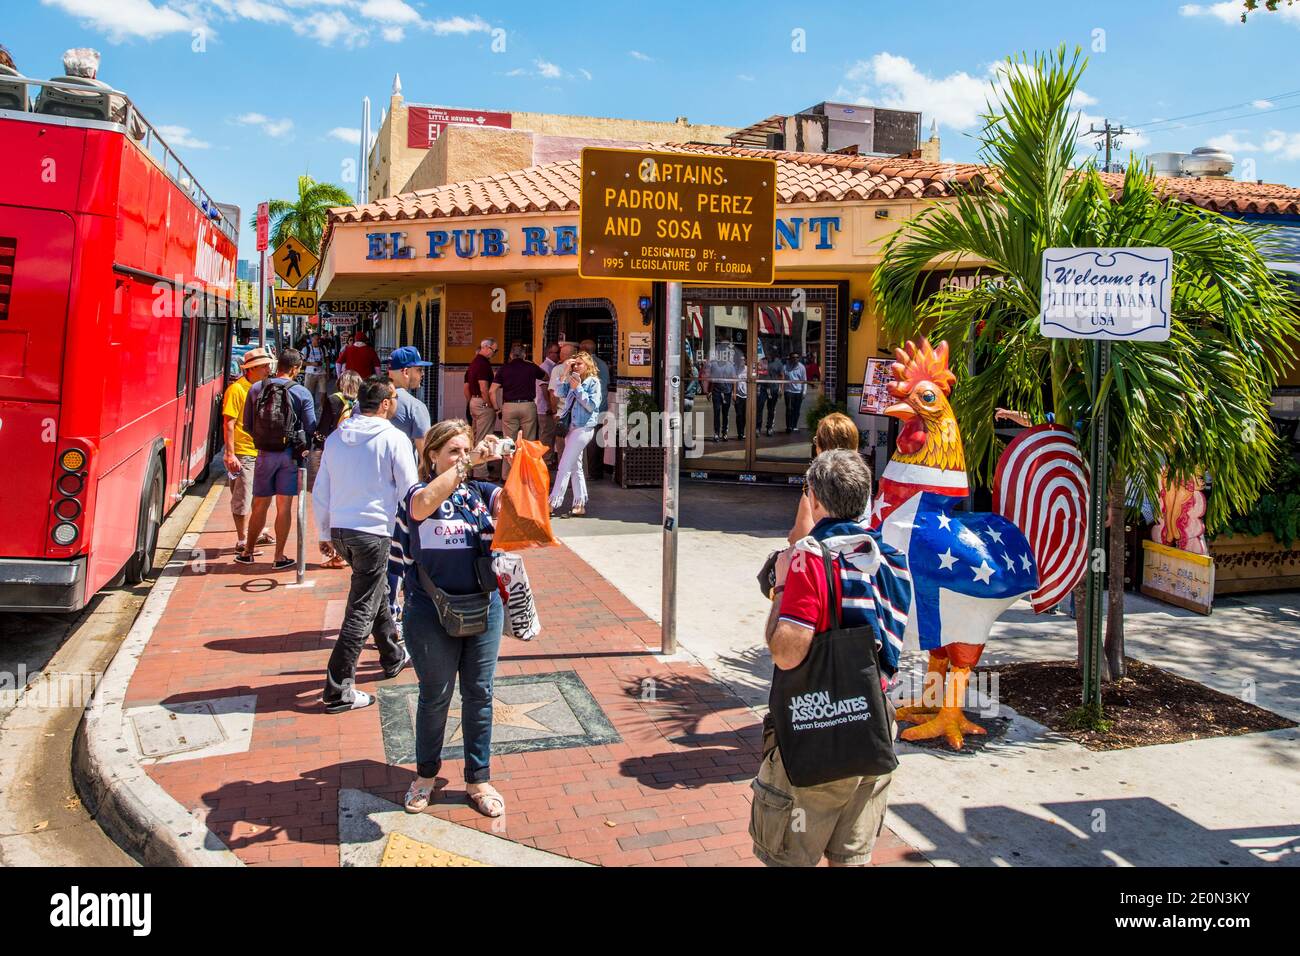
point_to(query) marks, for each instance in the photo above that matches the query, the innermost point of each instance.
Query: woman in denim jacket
(579, 396)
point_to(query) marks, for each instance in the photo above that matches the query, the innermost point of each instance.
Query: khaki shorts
(797, 826)
(241, 489)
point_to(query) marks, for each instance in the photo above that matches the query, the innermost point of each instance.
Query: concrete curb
(138, 814)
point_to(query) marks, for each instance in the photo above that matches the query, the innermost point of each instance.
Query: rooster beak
(901, 410)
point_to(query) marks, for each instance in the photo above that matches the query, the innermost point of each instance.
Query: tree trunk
(1114, 666)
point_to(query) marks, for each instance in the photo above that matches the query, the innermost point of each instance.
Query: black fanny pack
(462, 615)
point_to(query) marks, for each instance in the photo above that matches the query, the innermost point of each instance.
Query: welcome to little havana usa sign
(679, 217)
(1120, 294)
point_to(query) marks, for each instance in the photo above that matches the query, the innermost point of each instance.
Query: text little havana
(816, 708)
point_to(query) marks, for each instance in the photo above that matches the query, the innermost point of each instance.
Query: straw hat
(254, 357)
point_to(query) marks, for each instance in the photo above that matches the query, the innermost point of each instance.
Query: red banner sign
(426, 123)
(263, 226)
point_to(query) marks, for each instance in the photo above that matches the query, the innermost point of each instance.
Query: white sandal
(418, 796)
(487, 801)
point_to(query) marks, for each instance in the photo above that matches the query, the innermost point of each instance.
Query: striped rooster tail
(1041, 486)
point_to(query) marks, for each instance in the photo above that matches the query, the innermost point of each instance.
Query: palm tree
(1194, 405)
(304, 218)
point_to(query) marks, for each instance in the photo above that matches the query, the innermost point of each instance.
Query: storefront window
(751, 371)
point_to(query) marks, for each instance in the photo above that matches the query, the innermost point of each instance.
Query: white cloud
(638, 55)
(389, 11)
(1229, 143)
(346, 134)
(744, 78)
(891, 81)
(586, 74)
(256, 11)
(1262, 104)
(1282, 144)
(393, 34)
(548, 70)
(275, 128)
(125, 19)
(325, 28)
(1229, 13)
(179, 137)
(459, 25)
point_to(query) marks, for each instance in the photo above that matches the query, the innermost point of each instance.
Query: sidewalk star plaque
(677, 217)
(1120, 294)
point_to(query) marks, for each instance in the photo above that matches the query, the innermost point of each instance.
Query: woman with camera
(579, 395)
(453, 613)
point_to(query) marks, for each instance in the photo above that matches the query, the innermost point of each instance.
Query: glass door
(750, 372)
(787, 383)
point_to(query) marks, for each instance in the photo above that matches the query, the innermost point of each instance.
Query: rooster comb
(921, 363)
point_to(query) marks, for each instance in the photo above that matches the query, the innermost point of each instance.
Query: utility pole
(1111, 134)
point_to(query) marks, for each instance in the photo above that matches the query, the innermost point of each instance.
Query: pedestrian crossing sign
(293, 261)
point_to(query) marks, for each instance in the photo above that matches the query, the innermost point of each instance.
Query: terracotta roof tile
(801, 177)
(1225, 195)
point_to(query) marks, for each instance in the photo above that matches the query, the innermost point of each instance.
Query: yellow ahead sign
(293, 261)
(295, 302)
(679, 217)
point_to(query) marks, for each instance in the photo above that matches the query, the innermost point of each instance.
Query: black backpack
(275, 423)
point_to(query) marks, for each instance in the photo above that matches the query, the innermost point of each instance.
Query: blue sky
(276, 88)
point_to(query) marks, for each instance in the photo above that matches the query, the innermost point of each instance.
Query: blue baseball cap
(408, 356)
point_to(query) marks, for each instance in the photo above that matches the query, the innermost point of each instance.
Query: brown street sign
(677, 217)
(295, 302)
(293, 261)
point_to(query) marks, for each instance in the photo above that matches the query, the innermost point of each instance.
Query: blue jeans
(438, 659)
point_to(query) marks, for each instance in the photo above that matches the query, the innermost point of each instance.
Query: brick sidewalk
(674, 791)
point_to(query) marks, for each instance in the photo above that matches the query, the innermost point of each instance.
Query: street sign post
(293, 262)
(1104, 294)
(295, 301)
(675, 217)
(263, 239)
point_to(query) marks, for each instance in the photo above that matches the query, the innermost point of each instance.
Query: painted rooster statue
(967, 568)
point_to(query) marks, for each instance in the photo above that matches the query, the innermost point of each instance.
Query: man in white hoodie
(366, 468)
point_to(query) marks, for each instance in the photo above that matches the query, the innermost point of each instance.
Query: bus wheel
(146, 536)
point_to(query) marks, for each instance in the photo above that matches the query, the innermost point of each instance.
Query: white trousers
(570, 469)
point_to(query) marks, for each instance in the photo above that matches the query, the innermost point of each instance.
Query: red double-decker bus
(117, 281)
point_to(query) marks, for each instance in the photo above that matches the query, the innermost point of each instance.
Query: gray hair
(517, 351)
(487, 343)
(350, 383)
(81, 61)
(841, 481)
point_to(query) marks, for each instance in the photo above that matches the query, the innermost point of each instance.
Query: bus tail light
(68, 506)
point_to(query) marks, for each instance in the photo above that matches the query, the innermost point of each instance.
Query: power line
(1221, 109)
(1221, 119)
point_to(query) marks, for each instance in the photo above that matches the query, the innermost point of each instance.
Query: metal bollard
(302, 520)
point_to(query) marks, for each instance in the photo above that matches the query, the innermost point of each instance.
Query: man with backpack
(367, 468)
(840, 611)
(280, 415)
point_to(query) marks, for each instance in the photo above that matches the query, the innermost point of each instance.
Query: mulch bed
(1148, 706)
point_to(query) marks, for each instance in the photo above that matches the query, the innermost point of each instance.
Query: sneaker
(284, 564)
(243, 558)
(240, 546)
(352, 699)
(266, 538)
(406, 660)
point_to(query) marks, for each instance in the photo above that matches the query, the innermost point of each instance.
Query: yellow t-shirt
(236, 395)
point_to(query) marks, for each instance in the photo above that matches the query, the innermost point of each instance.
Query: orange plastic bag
(525, 517)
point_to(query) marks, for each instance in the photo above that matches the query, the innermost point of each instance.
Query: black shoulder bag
(830, 713)
(462, 615)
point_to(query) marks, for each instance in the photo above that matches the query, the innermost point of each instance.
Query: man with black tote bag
(844, 595)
